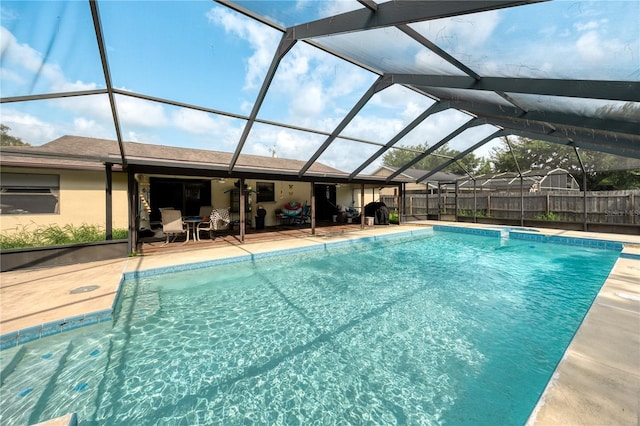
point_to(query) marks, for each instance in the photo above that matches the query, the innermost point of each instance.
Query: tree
(400, 157)
(533, 155)
(7, 140)
(604, 171)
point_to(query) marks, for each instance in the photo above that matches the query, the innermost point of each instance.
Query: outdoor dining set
(209, 219)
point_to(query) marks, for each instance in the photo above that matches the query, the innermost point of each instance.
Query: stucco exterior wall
(346, 196)
(82, 201)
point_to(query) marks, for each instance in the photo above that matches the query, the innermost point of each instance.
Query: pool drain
(84, 289)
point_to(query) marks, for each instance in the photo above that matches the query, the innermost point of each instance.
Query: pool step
(9, 359)
(136, 303)
(27, 382)
(49, 378)
(77, 384)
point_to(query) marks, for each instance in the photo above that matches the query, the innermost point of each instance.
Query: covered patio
(152, 246)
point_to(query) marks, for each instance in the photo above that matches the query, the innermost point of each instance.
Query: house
(80, 180)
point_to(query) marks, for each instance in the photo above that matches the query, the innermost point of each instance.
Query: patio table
(192, 226)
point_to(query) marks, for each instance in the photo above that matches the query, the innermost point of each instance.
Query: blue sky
(204, 54)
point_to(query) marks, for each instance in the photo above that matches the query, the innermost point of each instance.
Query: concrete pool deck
(597, 381)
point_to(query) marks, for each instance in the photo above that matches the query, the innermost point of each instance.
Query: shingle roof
(82, 150)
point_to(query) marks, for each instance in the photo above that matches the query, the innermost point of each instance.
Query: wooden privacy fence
(614, 207)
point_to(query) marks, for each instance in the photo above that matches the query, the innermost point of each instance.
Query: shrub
(551, 216)
(54, 235)
(393, 217)
(479, 213)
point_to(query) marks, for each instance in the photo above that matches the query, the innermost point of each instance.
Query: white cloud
(294, 145)
(22, 66)
(8, 75)
(310, 103)
(310, 88)
(28, 127)
(18, 54)
(132, 112)
(590, 47)
(133, 137)
(596, 50)
(588, 26)
(96, 107)
(547, 31)
(137, 112)
(287, 143)
(309, 83)
(373, 128)
(262, 41)
(192, 121)
(24, 60)
(226, 131)
(427, 60)
(85, 126)
(462, 33)
(347, 155)
(335, 7)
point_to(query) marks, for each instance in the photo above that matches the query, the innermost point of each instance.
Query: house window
(266, 192)
(22, 193)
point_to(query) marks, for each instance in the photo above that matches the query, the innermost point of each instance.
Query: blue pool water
(443, 329)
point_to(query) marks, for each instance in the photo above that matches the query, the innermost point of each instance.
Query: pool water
(443, 329)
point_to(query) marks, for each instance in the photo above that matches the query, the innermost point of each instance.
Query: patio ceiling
(420, 51)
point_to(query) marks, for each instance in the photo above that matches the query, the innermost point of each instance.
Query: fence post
(400, 205)
(488, 205)
(547, 207)
(632, 210)
(475, 203)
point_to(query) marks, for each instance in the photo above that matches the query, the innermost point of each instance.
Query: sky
(203, 54)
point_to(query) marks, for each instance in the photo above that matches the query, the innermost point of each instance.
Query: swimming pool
(445, 328)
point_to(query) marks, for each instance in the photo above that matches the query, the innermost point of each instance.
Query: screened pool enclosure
(334, 87)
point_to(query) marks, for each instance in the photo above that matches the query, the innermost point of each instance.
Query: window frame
(265, 192)
(29, 187)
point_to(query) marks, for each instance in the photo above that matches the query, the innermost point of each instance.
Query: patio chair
(303, 217)
(205, 211)
(219, 220)
(172, 224)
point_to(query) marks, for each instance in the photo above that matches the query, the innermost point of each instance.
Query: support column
(241, 210)
(361, 205)
(521, 181)
(426, 201)
(132, 198)
(400, 202)
(108, 225)
(584, 190)
(313, 208)
(475, 203)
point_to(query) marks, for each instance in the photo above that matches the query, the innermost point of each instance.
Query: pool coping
(29, 334)
(597, 380)
(273, 253)
(566, 397)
